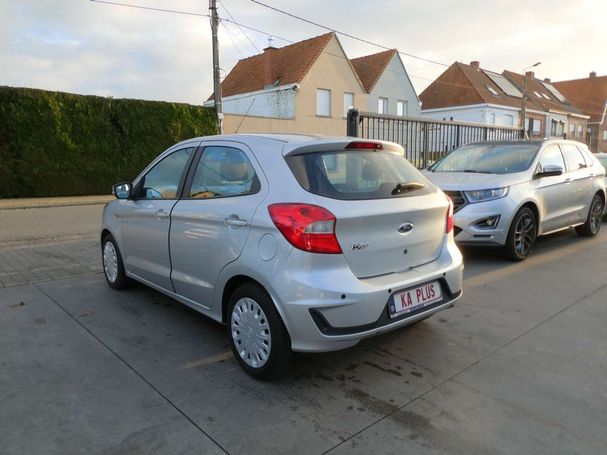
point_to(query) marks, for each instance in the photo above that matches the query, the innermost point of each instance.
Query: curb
(38, 203)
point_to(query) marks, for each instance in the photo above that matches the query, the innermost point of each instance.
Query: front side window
(489, 158)
(573, 157)
(222, 172)
(552, 157)
(162, 181)
(323, 102)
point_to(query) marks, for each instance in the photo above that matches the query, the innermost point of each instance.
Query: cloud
(86, 47)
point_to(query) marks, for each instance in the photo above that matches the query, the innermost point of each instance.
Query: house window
(323, 102)
(537, 94)
(509, 120)
(348, 102)
(492, 90)
(571, 129)
(382, 105)
(402, 108)
(605, 135)
(492, 118)
(537, 127)
(580, 132)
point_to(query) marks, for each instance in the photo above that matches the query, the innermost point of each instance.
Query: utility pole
(216, 77)
(524, 99)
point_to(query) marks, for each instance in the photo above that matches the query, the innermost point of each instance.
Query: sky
(87, 47)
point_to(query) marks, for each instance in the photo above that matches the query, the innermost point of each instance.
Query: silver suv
(296, 243)
(508, 193)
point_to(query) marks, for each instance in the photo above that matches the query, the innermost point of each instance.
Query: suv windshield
(356, 175)
(489, 158)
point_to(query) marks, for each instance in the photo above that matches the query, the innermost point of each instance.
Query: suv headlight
(486, 195)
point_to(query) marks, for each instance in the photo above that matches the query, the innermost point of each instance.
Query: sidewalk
(31, 203)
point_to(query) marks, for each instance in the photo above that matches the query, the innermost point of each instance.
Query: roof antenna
(270, 41)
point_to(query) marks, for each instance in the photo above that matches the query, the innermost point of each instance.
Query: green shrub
(60, 144)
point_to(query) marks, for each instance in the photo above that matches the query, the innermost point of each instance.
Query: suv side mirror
(550, 170)
(122, 190)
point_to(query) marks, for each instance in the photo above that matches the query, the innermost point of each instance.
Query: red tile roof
(370, 67)
(589, 95)
(276, 66)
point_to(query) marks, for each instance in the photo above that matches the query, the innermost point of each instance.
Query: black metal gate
(424, 140)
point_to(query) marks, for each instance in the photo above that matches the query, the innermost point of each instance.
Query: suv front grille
(458, 199)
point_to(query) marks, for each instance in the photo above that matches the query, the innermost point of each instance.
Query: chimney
(547, 79)
(530, 75)
(475, 64)
(268, 79)
(592, 74)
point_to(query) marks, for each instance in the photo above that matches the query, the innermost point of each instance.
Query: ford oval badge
(405, 227)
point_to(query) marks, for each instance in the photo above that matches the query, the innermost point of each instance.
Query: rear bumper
(328, 308)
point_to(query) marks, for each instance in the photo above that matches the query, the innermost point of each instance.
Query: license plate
(404, 302)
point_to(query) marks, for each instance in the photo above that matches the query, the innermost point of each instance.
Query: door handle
(235, 222)
(161, 214)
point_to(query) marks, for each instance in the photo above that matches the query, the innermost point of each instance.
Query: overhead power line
(239, 26)
(286, 40)
(362, 40)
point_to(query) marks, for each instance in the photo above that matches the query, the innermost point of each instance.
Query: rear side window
(573, 157)
(357, 175)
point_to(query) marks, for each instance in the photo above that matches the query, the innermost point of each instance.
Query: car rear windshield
(358, 175)
(489, 158)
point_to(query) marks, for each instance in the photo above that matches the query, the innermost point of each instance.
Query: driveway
(517, 366)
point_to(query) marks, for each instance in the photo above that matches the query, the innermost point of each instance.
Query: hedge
(61, 144)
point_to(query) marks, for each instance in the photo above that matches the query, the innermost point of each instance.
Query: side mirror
(122, 190)
(550, 170)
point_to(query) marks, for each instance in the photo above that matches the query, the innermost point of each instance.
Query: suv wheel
(258, 338)
(113, 268)
(592, 226)
(521, 235)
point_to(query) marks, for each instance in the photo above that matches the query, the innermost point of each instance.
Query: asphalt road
(517, 366)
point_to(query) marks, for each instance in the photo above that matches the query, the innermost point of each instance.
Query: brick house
(469, 93)
(590, 96)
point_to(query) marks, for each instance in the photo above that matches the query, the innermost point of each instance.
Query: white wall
(275, 103)
(395, 85)
(489, 115)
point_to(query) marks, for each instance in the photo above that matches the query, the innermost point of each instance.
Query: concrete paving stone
(63, 392)
(543, 393)
(327, 397)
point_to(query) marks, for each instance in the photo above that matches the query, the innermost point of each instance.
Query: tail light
(365, 145)
(449, 225)
(307, 227)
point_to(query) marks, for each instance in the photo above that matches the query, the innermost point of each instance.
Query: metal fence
(424, 140)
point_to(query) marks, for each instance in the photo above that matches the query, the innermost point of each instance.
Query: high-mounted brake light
(449, 225)
(365, 145)
(307, 227)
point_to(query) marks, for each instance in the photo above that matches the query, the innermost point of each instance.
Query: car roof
(289, 143)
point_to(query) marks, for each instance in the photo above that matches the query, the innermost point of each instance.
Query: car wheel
(113, 268)
(521, 235)
(592, 226)
(258, 338)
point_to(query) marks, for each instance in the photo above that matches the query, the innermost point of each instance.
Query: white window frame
(323, 102)
(348, 103)
(402, 108)
(382, 105)
(605, 135)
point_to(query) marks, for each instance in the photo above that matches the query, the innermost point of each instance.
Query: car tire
(111, 261)
(258, 337)
(592, 226)
(521, 235)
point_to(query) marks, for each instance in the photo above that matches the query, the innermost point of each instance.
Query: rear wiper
(405, 187)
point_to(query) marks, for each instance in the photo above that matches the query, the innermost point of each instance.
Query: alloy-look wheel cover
(251, 332)
(596, 215)
(110, 262)
(524, 234)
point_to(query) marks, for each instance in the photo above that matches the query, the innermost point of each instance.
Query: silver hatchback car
(296, 243)
(508, 193)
